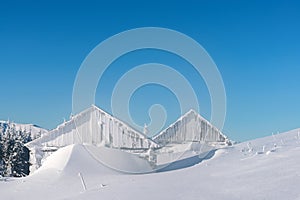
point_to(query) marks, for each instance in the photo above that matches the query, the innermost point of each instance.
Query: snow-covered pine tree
(1, 155)
(20, 159)
(25, 135)
(7, 144)
(15, 156)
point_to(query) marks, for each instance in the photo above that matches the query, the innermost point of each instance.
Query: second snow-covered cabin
(190, 127)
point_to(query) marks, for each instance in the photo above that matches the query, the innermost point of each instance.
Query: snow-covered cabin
(190, 127)
(94, 126)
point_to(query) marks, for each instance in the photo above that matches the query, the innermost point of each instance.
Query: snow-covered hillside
(266, 168)
(28, 129)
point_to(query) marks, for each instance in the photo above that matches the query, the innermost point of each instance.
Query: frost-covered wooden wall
(94, 126)
(190, 128)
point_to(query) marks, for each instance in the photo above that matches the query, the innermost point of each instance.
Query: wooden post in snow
(82, 181)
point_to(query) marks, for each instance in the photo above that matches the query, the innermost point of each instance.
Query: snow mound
(90, 159)
(58, 160)
(119, 160)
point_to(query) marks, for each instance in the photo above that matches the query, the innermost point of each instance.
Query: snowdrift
(91, 159)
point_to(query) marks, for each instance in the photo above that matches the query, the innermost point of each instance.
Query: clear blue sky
(255, 44)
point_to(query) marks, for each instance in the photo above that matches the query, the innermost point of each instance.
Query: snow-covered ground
(265, 168)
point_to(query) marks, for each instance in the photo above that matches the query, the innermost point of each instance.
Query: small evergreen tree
(7, 144)
(15, 156)
(20, 158)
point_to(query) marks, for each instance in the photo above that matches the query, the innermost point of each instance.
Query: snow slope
(32, 129)
(266, 168)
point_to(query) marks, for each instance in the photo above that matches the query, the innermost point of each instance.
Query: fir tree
(15, 156)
